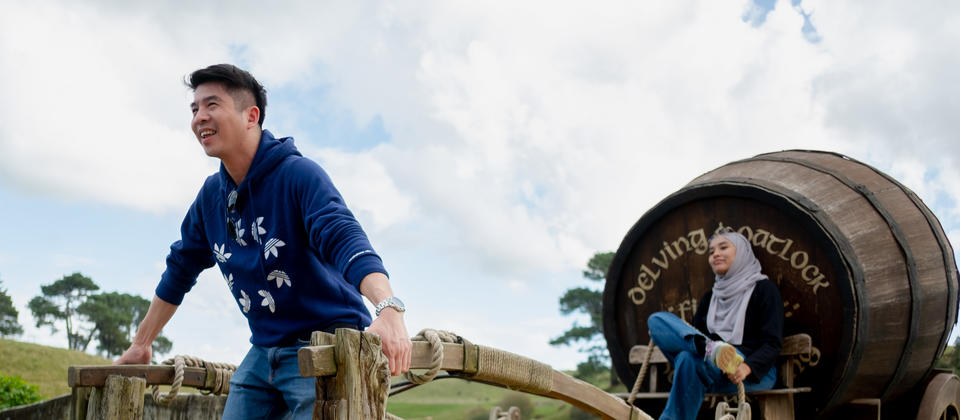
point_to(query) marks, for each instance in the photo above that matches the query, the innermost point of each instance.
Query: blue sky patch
(756, 13)
(310, 116)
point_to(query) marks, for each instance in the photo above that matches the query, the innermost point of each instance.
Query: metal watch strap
(393, 302)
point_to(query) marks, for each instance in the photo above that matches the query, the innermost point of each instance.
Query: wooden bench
(776, 403)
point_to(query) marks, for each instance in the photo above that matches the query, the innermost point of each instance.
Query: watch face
(397, 301)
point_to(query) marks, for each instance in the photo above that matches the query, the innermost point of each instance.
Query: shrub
(14, 392)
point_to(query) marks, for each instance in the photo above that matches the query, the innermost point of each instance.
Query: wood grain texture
(121, 399)
(95, 376)
(359, 389)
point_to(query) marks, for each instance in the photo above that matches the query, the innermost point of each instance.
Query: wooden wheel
(941, 399)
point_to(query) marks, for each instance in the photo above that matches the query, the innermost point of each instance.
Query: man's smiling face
(217, 121)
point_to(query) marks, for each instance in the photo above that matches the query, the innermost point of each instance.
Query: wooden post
(78, 402)
(359, 389)
(120, 398)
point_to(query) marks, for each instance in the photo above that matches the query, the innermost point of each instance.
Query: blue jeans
(693, 376)
(268, 385)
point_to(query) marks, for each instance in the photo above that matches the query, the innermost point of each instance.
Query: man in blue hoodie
(293, 256)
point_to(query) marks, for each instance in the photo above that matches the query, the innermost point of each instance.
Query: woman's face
(722, 253)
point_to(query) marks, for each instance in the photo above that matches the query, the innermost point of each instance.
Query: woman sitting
(736, 335)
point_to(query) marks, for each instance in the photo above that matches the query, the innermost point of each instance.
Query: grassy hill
(43, 366)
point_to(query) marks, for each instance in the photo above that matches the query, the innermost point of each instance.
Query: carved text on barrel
(696, 241)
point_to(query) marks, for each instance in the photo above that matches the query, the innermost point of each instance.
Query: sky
(488, 148)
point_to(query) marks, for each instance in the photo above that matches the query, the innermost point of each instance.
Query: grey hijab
(732, 291)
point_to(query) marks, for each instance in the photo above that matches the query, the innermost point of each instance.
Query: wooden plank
(78, 402)
(664, 395)
(319, 360)
(638, 353)
(777, 407)
(96, 376)
(793, 345)
(797, 344)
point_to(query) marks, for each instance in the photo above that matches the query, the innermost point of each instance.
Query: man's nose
(200, 117)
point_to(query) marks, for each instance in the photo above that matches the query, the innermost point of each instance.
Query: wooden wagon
(867, 276)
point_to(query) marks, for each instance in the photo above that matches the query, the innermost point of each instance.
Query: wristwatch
(393, 302)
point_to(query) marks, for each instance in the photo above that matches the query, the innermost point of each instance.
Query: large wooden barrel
(863, 267)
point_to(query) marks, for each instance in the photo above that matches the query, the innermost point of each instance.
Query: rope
(219, 372)
(493, 365)
(436, 338)
(643, 372)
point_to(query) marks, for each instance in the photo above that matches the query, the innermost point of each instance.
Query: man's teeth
(207, 133)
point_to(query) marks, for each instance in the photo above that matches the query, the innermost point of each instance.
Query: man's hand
(140, 351)
(393, 336)
(135, 355)
(742, 372)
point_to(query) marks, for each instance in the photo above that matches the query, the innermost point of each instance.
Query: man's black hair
(234, 79)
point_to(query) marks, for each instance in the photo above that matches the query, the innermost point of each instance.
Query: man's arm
(140, 350)
(389, 325)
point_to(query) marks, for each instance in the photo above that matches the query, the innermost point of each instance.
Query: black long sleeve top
(762, 330)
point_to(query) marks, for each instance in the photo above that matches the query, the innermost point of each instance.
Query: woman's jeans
(693, 375)
(268, 385)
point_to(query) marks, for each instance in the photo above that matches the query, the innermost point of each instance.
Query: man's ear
(253, 115)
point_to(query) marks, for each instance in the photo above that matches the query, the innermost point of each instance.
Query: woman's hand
(742, 372)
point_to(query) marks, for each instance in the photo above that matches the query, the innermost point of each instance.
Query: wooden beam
(796, 344)
(319, 360)
(592, 399)
(96, 376)
(638, 352)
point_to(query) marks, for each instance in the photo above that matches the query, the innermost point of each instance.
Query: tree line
(75, 304)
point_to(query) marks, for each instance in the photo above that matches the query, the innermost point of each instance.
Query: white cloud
(533, 137)
(94, 112)
(522, 136)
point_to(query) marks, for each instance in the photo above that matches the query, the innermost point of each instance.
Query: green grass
(43, 366)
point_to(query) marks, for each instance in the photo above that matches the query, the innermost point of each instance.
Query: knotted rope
(220, 374)
(493, 365)
(436, 338)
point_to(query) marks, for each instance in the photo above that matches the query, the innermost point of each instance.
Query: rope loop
(436, 338)
(219, 372)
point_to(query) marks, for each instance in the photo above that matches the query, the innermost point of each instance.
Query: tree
(59, 303)
(115, 317)
(589, 302)
(8, 315)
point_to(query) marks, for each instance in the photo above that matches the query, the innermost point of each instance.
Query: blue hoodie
(290, 251)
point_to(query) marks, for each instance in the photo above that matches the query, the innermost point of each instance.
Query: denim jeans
(693, 376)
(268, 385)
